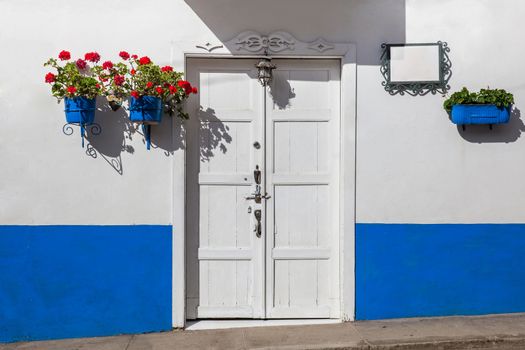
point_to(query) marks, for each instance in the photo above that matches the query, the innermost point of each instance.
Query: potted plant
(151, 90)
(113, 78)
(488, 106)
(76, 82)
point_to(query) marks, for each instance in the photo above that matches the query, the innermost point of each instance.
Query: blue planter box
(479, 114)
(80, 110)
(145, 109)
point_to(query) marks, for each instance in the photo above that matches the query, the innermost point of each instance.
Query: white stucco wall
(46, 177)
(413, 164)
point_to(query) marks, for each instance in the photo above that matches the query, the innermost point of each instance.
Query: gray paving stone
(416, 330)
(303, 337)
(216, 339)
(99, 343)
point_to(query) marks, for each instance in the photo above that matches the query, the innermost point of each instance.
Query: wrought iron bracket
(146, 129)
(417, 88)
(93, 129)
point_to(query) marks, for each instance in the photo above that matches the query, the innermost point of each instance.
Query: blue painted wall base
(409, 270)
(77, 281)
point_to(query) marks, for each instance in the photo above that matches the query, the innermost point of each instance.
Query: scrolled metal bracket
(93, 129)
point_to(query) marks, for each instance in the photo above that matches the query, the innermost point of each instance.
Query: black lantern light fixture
(265, 69)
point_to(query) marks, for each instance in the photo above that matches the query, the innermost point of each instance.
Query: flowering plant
(144, 78)
(74, 78)
(133, 76)
(113, 78)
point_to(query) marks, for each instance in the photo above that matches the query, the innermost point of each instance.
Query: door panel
(302, 123)
(292, 269)
(225, 275)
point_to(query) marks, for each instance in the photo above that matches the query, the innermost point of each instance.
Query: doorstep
(478, 332)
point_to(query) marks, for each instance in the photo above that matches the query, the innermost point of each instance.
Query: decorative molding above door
(276, 43)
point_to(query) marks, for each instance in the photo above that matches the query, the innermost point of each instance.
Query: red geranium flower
(173, 89)
(50, 77)
(183, 84)
(92, 57)
(119, 80)
(149, 85)
(132, 72)
(71, 90)
(144, 60)
(159, 90)
(107, 65)
(81, 64)
(167, 69)
(134, 57)
(186, 86)
(64, 55)
(194, 90)
(98, 85)
(135, 94)
(124, 55)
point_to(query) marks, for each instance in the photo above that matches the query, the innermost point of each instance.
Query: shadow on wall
(362, 22)
(117, 132)
(500, 133)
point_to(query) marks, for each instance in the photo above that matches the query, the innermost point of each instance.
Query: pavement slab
(100, 343)
(231, 339)
(503, 332)
(304, 337)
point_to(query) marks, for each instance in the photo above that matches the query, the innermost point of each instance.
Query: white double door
(263, 246)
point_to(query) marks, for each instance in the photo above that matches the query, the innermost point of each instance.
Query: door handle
(257, 197)
(258, 228)
(257, 175)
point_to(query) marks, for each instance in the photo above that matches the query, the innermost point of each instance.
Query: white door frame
(280, 45)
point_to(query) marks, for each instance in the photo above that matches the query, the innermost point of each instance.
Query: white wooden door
(290, 132)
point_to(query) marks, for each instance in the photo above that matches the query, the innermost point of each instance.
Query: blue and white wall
(440, 211)
(86, 238)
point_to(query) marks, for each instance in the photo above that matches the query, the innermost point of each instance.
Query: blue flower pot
(80, 110)
(479, 114)
(145, 109)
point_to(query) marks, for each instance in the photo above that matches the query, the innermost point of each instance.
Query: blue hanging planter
(146, 110)
(479, 114)
(80, 110)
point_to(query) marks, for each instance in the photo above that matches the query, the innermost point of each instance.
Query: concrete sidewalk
(485, 332)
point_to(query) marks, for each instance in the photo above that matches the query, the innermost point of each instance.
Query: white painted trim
(228, 324)
(178, 222)
(346, 52)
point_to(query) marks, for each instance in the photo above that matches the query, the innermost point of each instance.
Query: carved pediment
(255, 42)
